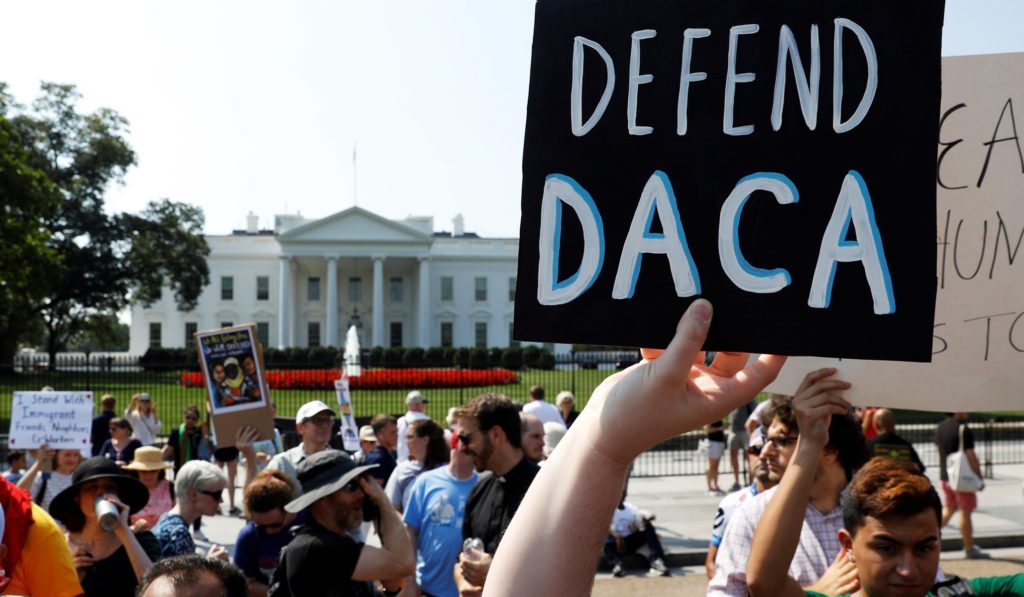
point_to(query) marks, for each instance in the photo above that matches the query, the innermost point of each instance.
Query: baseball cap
(144, 397)
(311, 409)
(415, 397)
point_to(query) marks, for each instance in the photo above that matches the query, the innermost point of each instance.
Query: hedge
(326, 357)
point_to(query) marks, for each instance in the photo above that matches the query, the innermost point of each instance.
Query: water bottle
(473, 548)
(107, 514)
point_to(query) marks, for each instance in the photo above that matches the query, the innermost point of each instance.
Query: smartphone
(371, 512)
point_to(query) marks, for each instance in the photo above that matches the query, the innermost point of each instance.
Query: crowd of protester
(497, 497)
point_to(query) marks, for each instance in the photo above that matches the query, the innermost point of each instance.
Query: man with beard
(490, 433)
(533, 436)
(765, 477)
(324, 559)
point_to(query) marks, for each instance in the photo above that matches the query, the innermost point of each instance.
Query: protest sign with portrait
(233, 370)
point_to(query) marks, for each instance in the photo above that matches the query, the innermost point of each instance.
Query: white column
(332, 301)
(284, 331)
(378, 301)
(424, 318)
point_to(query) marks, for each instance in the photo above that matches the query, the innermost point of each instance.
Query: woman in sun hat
(109, 562)
(151, 469)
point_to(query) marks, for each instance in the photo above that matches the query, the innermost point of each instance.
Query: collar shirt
(493, 502)
(818, 547)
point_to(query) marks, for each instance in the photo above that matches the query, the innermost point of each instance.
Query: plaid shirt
(818, 547)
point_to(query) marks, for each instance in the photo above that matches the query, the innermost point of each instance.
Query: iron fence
(1000, 440)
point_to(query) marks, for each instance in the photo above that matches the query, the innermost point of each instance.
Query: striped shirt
(818, 547)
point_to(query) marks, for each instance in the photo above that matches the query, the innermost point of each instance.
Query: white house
(306, 281)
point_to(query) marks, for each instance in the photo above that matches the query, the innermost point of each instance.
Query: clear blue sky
(256, 105)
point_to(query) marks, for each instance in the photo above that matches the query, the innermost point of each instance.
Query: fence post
(987, 439)
(572, 365)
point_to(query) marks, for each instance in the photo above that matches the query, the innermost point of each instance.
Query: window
(447, 288)
(396, 334)
(446, 334)
(480, 289)
(395, 290)
(355, 290)
(155, 340)
(313, 289)
(480, 333)
(313, 333)
(226, 324)
(262, 288)
(227, 288)
(263, 332)
(512, 343)
(512, 289)
(191, 328)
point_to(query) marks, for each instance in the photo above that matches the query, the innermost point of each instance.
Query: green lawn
(171, 398)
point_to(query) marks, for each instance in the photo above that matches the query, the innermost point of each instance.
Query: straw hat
(148, 458)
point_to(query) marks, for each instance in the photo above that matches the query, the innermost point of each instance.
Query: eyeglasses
(214, 495)
(321, 421)
(782, 441)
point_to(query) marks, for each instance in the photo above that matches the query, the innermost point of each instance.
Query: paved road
(691, 580)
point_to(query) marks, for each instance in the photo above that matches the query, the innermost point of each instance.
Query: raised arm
(778, 531)
(570, 503)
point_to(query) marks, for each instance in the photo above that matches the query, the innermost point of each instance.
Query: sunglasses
(321, 421)
(782, 441)
(214, 495)
(272, 525)
(755, 450)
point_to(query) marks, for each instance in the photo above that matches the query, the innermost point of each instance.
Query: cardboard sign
(978, 341)
(349, 431)
(232, 365)
(61, 419)
(773, 157)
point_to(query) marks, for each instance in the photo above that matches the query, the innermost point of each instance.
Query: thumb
(691, 332)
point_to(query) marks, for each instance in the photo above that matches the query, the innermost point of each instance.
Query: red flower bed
(376, 379)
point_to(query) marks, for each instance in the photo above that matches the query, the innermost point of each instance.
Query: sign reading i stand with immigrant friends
(62, 420)
(777, 158)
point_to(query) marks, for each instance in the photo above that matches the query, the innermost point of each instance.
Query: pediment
(356, 225)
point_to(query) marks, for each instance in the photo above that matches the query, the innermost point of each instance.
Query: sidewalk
(684, 515)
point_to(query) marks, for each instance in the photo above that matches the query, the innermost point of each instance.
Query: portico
(326, 267)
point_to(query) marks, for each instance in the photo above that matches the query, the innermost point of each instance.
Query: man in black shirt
(386, 430)
(490, 433)
(890, 445)
(101, 423)
(324, 559)
(947, 439)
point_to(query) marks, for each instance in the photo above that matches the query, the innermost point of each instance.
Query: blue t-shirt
(174, 537)
(257, 552)
(436, 510)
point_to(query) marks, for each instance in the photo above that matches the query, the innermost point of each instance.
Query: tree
(102, 332)
(28, 265)
(109, 260)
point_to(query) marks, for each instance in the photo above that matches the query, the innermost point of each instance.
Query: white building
(305, 282)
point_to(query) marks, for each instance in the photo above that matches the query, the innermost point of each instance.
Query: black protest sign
(777, 158)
